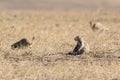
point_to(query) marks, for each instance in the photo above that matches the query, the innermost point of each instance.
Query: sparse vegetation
(54, 32)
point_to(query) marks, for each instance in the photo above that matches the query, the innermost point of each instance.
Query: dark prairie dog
(80, 47)
(95, 26)
(23, 43)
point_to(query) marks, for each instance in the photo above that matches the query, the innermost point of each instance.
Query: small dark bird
(22, 43)
(78, 48)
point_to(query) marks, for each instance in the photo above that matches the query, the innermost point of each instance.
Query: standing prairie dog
(23, 43)
(97, 26)
(80, 47)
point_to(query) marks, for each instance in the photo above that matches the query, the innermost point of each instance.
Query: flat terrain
(59, 4)
(54, 32)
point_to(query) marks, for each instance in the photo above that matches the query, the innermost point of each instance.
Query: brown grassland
(54, 32)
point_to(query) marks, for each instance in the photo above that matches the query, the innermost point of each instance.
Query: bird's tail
(32, 41)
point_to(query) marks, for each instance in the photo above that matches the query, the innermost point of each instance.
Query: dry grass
(54, 32)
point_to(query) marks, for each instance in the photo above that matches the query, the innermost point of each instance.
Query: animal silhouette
(23, 43)
(78, 48)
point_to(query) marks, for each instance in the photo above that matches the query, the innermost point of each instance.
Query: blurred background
(59, 4)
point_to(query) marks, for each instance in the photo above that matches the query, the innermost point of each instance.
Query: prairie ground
(54, 32)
